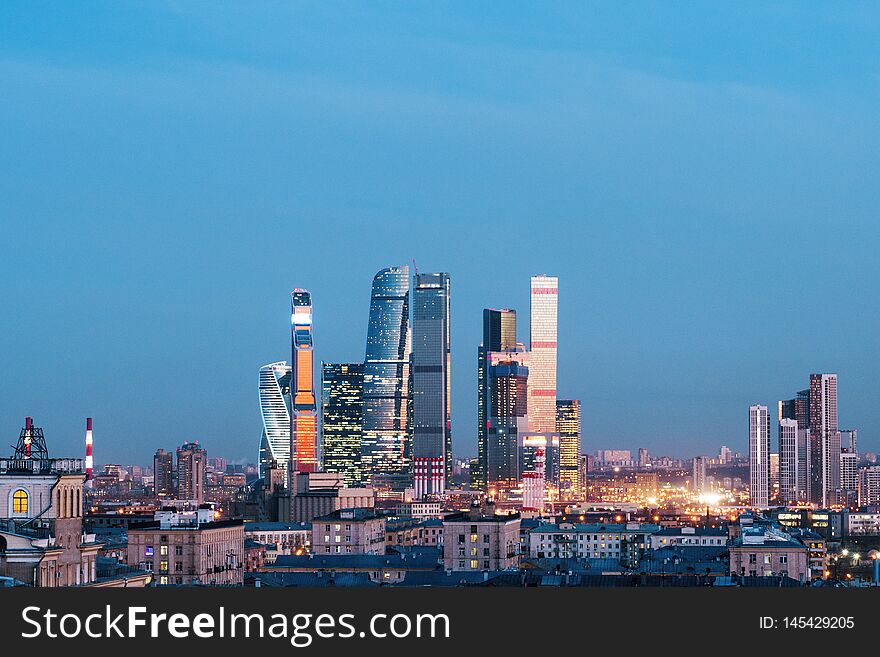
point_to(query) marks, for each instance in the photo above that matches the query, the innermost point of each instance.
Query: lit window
(20, 501)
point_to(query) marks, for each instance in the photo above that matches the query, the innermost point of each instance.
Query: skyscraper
(163, 473)
(304, 418)
(507, 419)
(431, 415)
(759, 457)
(192, 460)
(789, 462)
(568, 426)
(385, 442)
(275, 411)
(342, 402)
(542, 356)
(699, 474)
(499, 334)
(824, 439)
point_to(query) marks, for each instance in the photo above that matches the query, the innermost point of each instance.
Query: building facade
(431, 388)
(349, 531)
(304, 413)
(385, 441)
(824, 439)
(507, 421)
(191, 471)
(543, 322)
(342, 405)
(275, 400)
(568, 426)
(499, 334)
(163, 474)
(759, 457)
(480, 540)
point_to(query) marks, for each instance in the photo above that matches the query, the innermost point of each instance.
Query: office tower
(431, 415)
(644, 457)
(869, 485)
(542, 353)
(163, 473)
(789, 463)
(824, 439)
(849, 471)
(191, 462)
(724, 455)
(759, 457)
(849, 439)
(499, 334)
(385, 441)
(699, 474)
(304, 415)
(342, 405)
(507, 419)
(275, 402)
(568, 426)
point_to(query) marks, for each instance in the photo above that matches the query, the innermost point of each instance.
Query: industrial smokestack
(28, 435)
(89, 462)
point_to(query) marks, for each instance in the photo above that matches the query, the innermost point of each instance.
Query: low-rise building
(624, 542)
(349, 531)
(696, 536)
(478, 539)
(767, 551)
(189, 548)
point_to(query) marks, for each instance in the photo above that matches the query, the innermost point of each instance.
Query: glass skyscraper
(304, 418)
(431, 416)
(385, 440)
(542, 353)
(342, 399)
(275, 412)
(824, 439)
(507, 384)
(568, 426)
(499, 334)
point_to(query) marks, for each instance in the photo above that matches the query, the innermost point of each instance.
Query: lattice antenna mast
(31, 443)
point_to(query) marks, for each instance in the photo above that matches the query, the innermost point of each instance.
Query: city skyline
(679, 186)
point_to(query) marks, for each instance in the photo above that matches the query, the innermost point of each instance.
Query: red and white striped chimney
(89, 462)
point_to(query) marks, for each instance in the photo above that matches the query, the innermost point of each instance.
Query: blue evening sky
(704, 179)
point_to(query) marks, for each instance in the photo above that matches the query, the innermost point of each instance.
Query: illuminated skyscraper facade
(508, 420)
(759, 457)
(568, 426)
(385, 441)
(431, 414)
(342, 401)
(789, 461)
(275, 412)
(499, 334)
(304, 417)
(542, 356)
(824, 439)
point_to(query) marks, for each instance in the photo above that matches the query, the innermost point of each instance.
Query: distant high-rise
(869, 485)
(849, 472)
(342, 402)
(507, 419)
(499, 334)
(699, 474)
(385, 442)
(192, 460)
(543, 322)
(568, 426)
(431, 414)
(789, 461)
(824, 439)
(304, 417)
(163, 473)
(849, 441)
(275, 411)
(759, 457)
